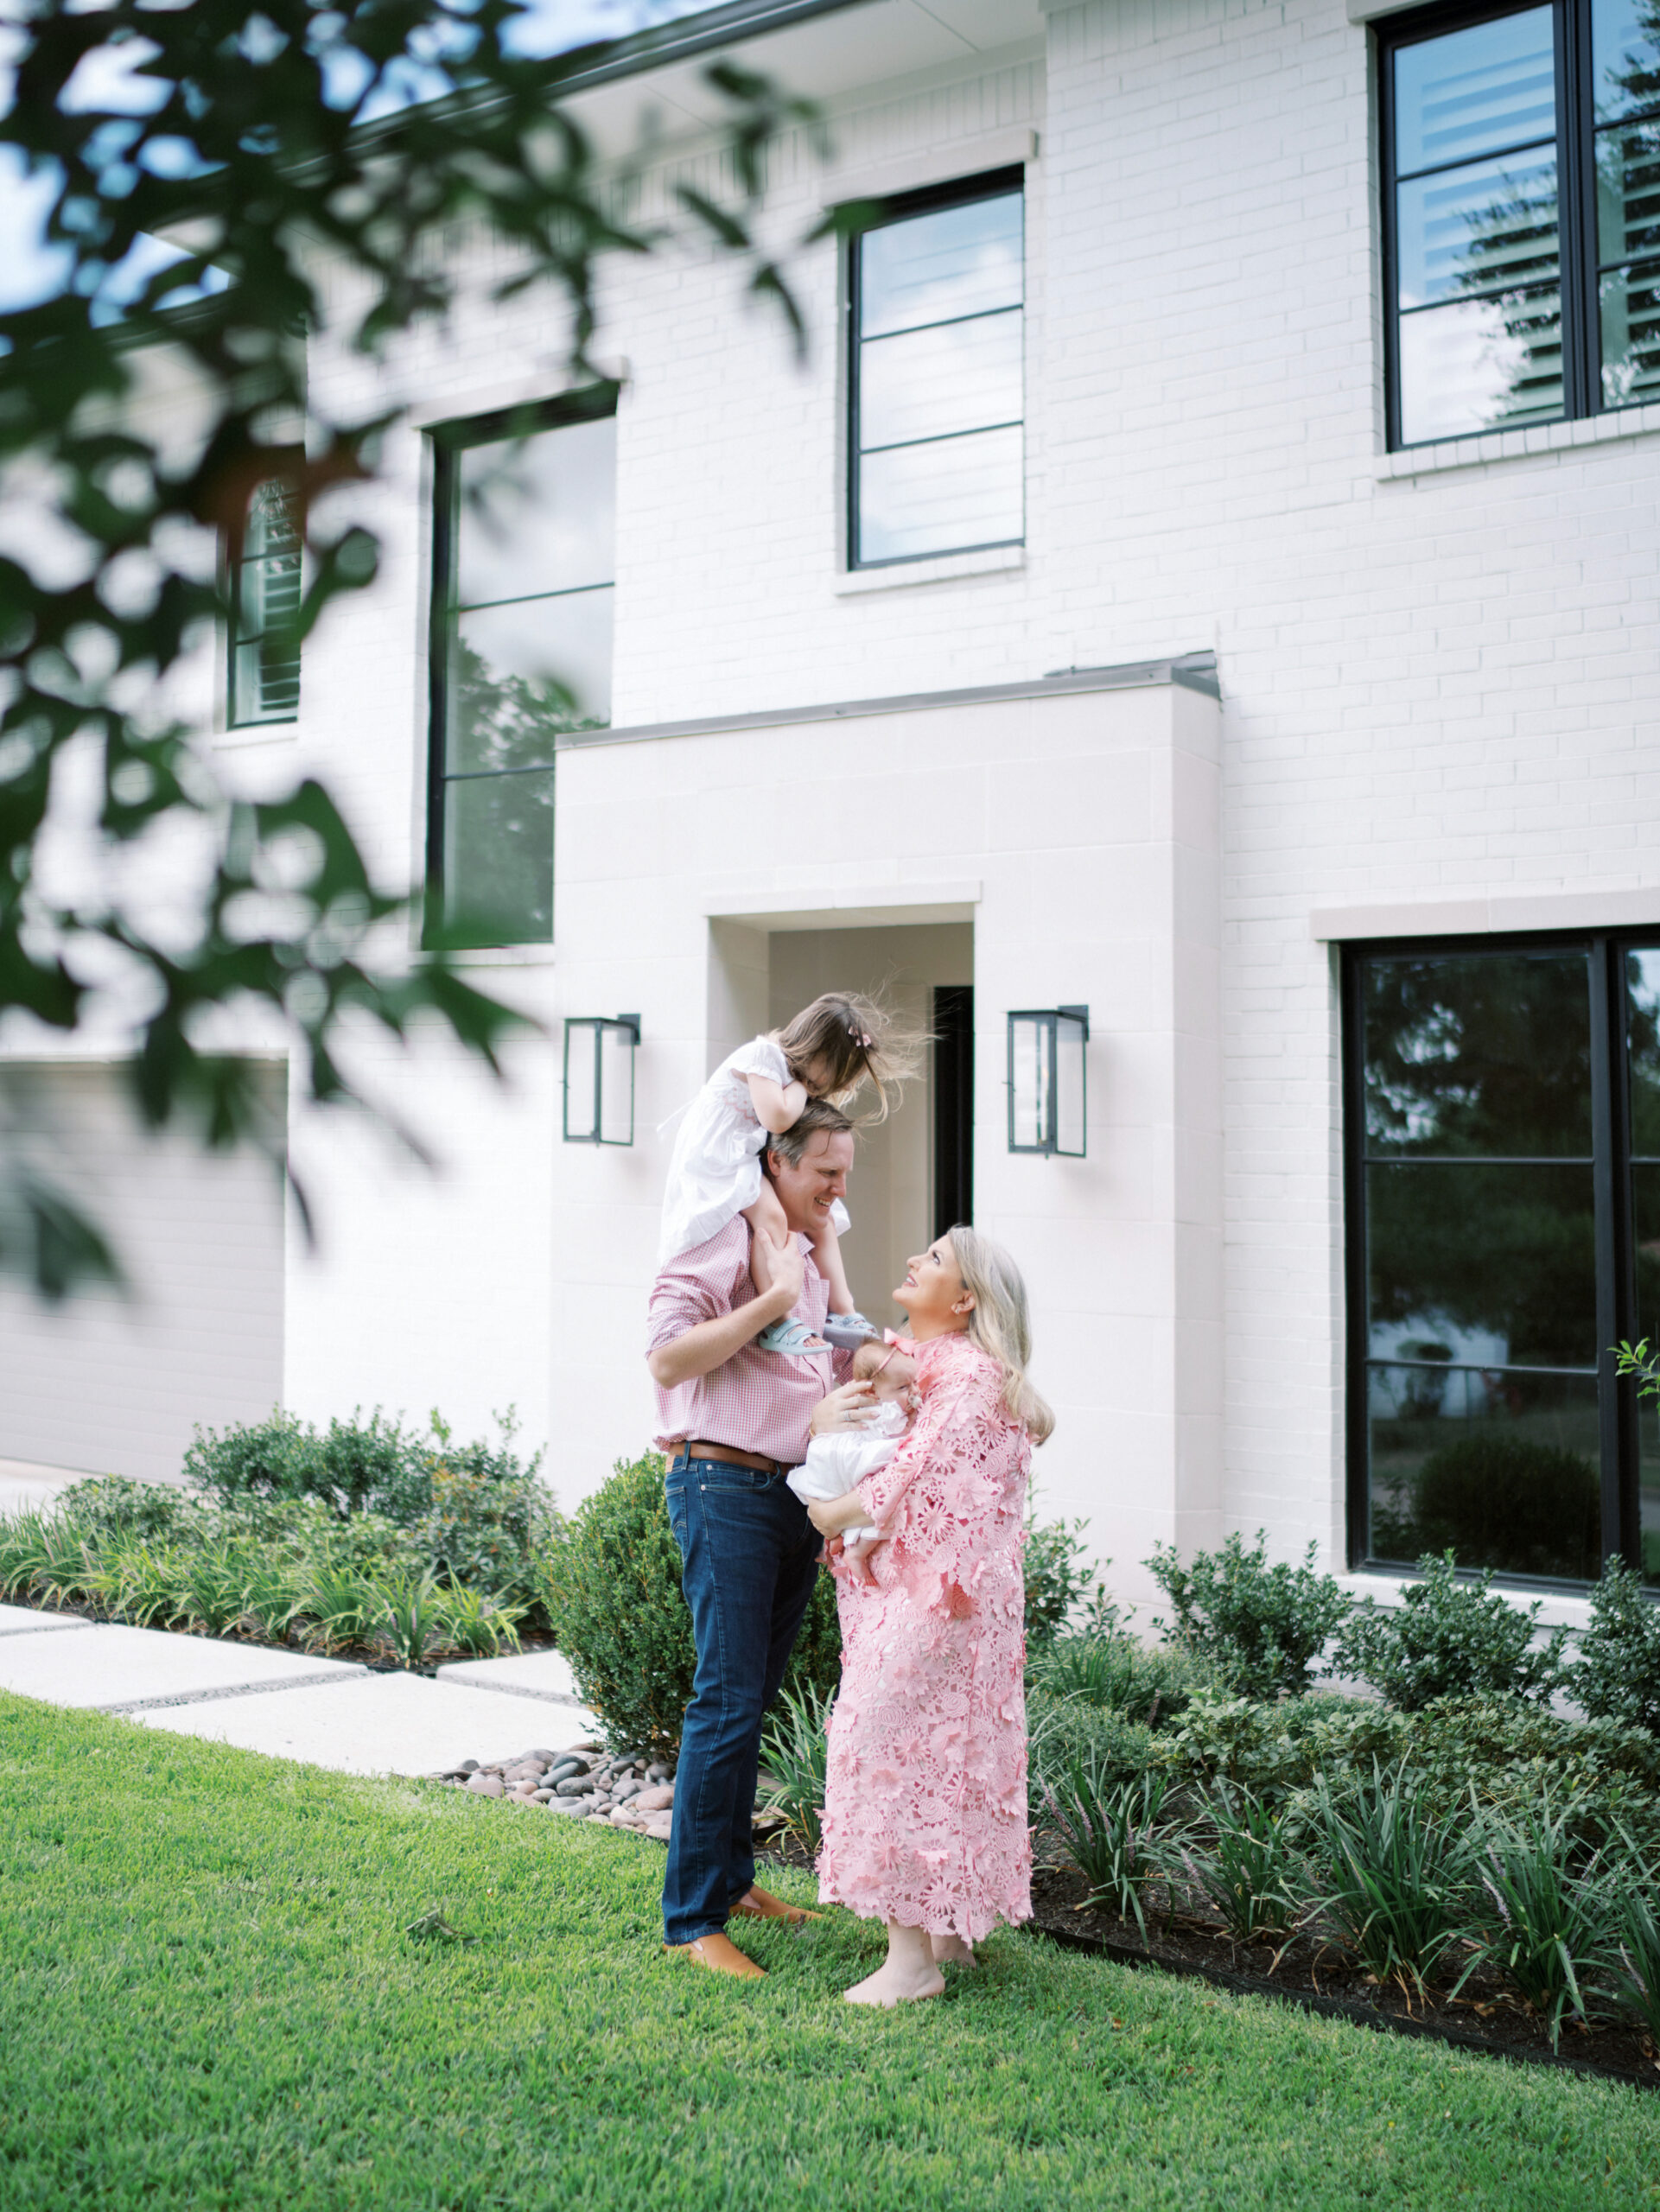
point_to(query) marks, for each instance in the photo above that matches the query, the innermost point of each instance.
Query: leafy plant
(1058, 1580)
(340, 1605)
(1117, 1673)
(407, 1619)
(794, 1751)
(138, 1581)
(1115, 1832)
(113, 1506)
(477, 1624)
(1633, 1959)
(1249, 1870)
(1546, 1921)
(309, 233)
(610, 1584)
(1396, 1875)
(1618, 1677)
(1259, 1628)
(1449, 1637)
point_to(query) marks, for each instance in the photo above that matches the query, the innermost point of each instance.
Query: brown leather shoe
(720, 1955)
(761, 1905)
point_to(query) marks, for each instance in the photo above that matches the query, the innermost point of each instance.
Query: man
(734, 1420)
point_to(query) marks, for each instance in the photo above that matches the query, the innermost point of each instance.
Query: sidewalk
(290, 1705)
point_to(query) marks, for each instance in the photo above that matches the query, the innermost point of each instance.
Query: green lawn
(208, 2000)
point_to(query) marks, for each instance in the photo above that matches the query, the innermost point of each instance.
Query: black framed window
(264, 590)
(523, 582)
(936, 318)
(1503, 1124)
(1522, 214)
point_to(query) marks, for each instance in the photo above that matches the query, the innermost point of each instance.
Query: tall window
(936, 317)
(1504, 1227)
(523, 584)
(264, 683)
(1522, 215)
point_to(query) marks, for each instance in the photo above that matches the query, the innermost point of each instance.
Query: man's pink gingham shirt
(758, 1400)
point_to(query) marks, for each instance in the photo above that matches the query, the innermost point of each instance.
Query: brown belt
(730, 1456)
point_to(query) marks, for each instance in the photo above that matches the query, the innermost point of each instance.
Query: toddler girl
(826, 1052)
(839, 1462)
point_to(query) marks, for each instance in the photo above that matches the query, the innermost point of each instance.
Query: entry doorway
(913, 1174)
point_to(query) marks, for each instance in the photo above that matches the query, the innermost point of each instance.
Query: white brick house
(1321, 625)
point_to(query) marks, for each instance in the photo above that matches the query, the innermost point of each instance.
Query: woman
(924, 1810)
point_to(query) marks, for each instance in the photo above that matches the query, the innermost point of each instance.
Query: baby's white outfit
(834, 1465)
(715, 1170)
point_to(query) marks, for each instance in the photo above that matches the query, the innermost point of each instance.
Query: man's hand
(710, 1345)
(778, 1271)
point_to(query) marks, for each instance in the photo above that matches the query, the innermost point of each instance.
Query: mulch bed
(1485, 2017)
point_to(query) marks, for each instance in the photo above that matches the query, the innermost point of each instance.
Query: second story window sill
(994, 560)
(1518, 445)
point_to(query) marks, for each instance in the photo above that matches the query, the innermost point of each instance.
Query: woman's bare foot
(953, 1951)
(896, 1982)
(907, 1973)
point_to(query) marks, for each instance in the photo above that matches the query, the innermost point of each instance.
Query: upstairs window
(936, 317)
(524, 579)
(265, 673)
(1522, 215)
(1503, 1231)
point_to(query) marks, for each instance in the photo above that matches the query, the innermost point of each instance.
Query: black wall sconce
(1047, 1095)
(600, 1078)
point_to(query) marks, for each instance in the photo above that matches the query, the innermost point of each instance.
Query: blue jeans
(749, 1559)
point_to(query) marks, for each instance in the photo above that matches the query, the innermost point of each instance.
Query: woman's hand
(849, 1407)
(830, 1515)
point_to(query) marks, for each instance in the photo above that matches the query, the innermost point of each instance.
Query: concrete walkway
(291, 1704)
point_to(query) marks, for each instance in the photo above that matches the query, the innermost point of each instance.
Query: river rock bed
(583, 1782)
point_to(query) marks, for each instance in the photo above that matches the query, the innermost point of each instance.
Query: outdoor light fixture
(1046, 1080)
(600, 1078)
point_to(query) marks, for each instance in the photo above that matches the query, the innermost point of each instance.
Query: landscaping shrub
(795, 1749)
(1518, 1506)
(1546, 1917)
(1152, 1686)
(1059, 1583)
(1448, 1638)
(1250, 1870)
(474, 1514)
(1116, 1831)
(1257, 1628)
(1618, 1674)
(1634, 1953)
(610, 1582)
(1396, 1873)
(1064, 1733)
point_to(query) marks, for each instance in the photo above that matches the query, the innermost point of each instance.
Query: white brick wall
(1438, 681)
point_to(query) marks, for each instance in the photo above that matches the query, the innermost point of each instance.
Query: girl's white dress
(715, 1170)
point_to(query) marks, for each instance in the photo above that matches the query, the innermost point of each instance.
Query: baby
(829, 1049)
(837, 1464)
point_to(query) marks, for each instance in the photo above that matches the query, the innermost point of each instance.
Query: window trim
(959, 192)
(448, 441)
(1574, 140)
(1616, 1286)
(287, 465)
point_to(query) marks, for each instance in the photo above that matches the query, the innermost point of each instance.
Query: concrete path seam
(53, 1628)
(237, 1690)
(518, 1689)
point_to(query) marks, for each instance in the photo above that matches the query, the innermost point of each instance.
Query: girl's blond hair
(1000, 1322)
(835, 1029)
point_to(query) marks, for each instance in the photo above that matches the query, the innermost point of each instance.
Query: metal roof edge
(1191, 671)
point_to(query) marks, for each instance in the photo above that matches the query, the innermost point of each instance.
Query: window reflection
(526, 646)
(266, 588)
(937, 448)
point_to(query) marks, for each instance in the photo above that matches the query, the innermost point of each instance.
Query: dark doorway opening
(953, 1088)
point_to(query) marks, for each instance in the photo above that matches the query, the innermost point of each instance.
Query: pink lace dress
(924, 1801)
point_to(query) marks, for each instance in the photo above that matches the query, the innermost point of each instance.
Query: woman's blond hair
(835, 1028)
(1001, 1324)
